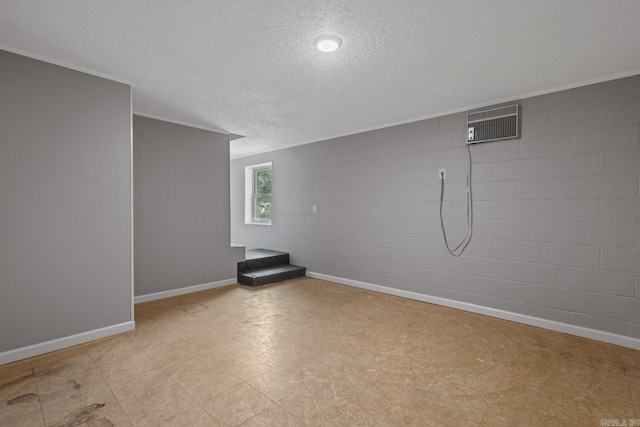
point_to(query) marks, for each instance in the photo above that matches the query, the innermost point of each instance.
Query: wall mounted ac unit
(493, 124)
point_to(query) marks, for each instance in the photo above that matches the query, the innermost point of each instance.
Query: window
(262, 195)
(258, 194)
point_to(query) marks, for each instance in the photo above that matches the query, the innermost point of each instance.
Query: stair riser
(243, 267)
(273, 278)
(254, 264)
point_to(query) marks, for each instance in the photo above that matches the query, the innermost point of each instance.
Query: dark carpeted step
(272, 274)
(262, 258)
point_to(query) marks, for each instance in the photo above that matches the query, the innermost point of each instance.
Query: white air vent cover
(493, 124)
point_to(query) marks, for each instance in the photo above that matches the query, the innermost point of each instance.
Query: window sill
(257, 223)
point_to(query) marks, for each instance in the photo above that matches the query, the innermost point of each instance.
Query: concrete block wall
(65, 208)
(181, 223)
(557, 212)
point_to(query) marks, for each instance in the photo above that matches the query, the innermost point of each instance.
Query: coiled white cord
(458, 250)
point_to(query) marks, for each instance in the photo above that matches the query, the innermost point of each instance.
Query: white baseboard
(60, 343)
(183, 291)
(580, 331)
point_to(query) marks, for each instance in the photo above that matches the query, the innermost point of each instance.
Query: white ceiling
(249, 67)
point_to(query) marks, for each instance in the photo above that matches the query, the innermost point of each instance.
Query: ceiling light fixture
(327, 43)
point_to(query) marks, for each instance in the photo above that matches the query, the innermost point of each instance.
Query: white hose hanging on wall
(491, 124)
(458, 250)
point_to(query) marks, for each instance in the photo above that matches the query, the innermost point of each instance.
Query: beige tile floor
(309, 352)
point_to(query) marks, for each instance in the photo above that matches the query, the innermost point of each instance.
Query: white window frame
(250, 193)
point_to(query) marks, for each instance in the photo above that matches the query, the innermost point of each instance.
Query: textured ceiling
(249, 67)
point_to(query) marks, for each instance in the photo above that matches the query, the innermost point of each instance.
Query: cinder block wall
(557, 212)
(65, 207)
(181, 193)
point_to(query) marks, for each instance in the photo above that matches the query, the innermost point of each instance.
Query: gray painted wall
(557, 212)
(181, 179)
(65, 202)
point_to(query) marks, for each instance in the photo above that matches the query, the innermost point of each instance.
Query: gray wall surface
(65, 202)
(181, 207)
(557, 212)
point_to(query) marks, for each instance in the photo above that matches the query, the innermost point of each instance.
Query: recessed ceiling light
(327, 43)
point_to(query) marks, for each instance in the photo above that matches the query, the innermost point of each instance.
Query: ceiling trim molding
(68, 65)
(456, 110)
(180, 122)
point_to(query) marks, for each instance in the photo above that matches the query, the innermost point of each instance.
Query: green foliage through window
(262, 195)
(263, 181)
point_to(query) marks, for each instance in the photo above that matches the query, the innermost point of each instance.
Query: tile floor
(309, 352)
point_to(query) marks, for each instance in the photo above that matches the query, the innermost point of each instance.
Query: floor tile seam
(17, 380)
(31, 412)
(239, 424)
(67, 361)
(250, 385)
(255, 415)
(634, 405)
(44, 423)
(18, 370)
(565, 389)
(626, 370)
(103, 386)
(191, 397)
(151, 396)
(273, 402)
(113, 393)
(157, 368)
(126, 414)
